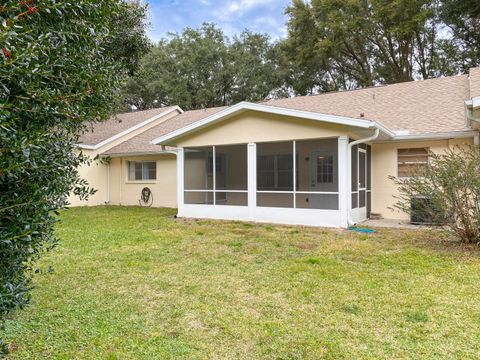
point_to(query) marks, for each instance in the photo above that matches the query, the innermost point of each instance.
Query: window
(142, 170)
(275, 172)
(325, 169)
(410, 161)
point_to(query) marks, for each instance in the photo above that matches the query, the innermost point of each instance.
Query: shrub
(62, 64)
(451, 185)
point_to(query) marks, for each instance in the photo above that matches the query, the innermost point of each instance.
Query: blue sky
(265, 16)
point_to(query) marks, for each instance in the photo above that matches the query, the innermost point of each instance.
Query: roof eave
(434, 136)
(139, 153)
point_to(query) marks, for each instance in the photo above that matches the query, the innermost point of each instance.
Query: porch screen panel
(231, 164)
(317, 201)
(369, 167)
(354, 168)
(317, 168)
(361, 170)
(216, 175)
(231, 198)
(275, 174)
(198, 175)
(231, 187)
(198, 197)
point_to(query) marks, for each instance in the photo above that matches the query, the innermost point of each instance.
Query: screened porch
(298, 181)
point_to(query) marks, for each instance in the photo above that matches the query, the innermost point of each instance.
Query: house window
(411, 161)
(325, 169)
(142, 170)
(275, 172)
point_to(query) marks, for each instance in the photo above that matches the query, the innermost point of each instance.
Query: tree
(447, 192)
(62, 65)
(256, 68)
(202, 68)
(462, 18)
(347, 44)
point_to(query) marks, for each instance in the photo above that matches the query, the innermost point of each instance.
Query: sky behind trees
(233, 16)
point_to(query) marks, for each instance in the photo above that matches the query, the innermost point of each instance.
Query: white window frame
(143, 162)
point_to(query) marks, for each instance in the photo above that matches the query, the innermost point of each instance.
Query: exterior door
(362, 182)
(323, 174)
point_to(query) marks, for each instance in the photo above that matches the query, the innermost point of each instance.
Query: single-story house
(321, 160)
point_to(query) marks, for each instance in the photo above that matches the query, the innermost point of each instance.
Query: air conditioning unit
(421, 210)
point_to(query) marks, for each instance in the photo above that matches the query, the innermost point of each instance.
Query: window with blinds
(411, 161)
(142, 170)
(275, 172)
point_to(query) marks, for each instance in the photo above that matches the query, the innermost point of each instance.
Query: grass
(134, 283)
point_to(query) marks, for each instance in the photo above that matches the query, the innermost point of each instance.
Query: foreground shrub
(450, 186)
(62, 64)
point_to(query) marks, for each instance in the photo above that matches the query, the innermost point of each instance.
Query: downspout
(107, 183)
(349, 171)
(470, 119)
(165, 151)
(122, 179)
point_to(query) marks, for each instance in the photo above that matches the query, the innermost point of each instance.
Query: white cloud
(232, 16)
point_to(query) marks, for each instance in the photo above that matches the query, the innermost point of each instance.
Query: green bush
(62, 64)
(451, 186)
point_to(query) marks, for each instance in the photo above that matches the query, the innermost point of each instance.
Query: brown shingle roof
(118, 123)
(426, 106)
(140, 144)
(417, 107)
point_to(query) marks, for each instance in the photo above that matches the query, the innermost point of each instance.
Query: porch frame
(280, 215)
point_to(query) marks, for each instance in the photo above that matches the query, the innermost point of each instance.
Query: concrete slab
(392, 223)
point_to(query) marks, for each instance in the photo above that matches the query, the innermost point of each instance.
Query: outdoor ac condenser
(421, 210)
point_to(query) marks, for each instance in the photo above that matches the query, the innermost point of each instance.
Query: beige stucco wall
(384, 164)
(96, 178)
(253, 126)
(95, 173)
(164, 188)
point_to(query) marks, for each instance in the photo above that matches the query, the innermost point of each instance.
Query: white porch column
(252, 179)
(343, 193)
(180, 180)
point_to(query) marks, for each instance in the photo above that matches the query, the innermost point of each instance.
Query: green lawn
(134, 283)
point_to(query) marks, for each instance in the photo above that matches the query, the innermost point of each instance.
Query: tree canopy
(202, 68)
(331, 45)
(361, 43)
(62, 65)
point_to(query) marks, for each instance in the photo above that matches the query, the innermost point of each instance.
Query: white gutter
(349, 171)
(435, 136)
(130, 154)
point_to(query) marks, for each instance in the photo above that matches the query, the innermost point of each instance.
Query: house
(321, 160)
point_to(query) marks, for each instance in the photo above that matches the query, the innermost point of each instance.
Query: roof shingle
(417, 107)
(118, 123)
(140, 144)
(426, 106)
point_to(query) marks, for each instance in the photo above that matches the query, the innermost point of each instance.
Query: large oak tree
(356, 43)
(202, 68)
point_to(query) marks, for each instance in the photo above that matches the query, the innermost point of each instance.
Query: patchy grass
(136, 283)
